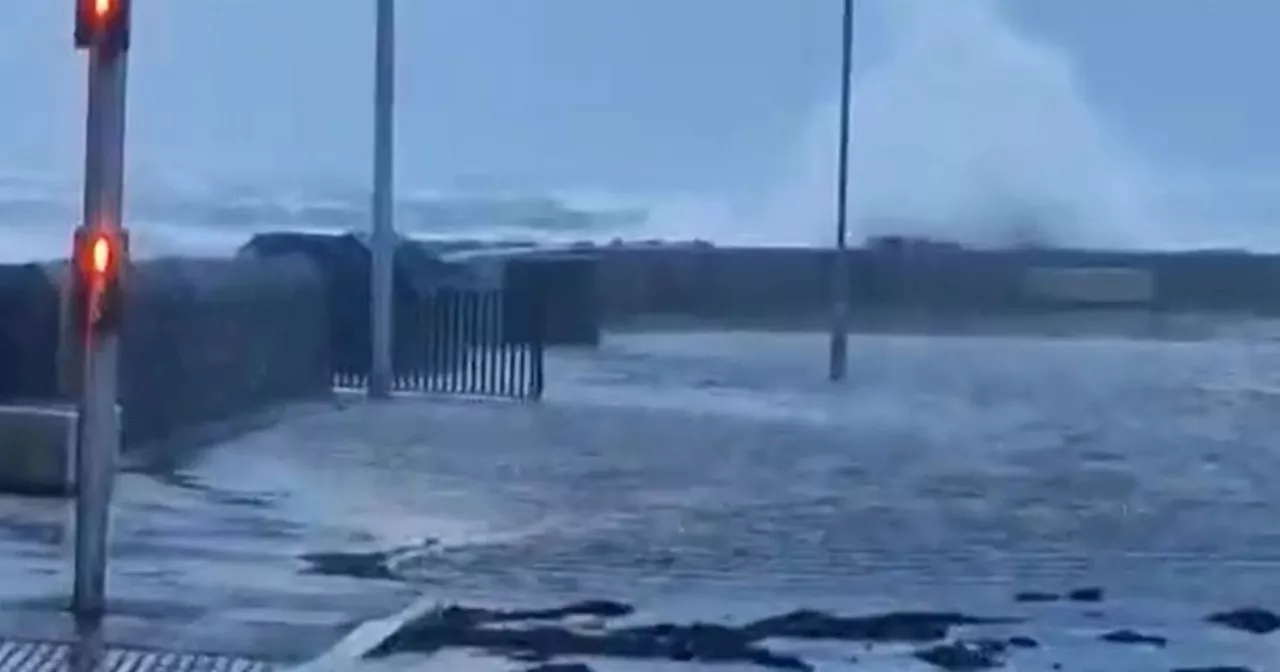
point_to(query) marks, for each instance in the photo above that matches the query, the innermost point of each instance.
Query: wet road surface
(717, 477)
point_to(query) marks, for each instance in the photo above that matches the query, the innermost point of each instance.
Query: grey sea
(718, 477)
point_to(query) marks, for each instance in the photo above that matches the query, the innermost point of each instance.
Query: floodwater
(720, 477)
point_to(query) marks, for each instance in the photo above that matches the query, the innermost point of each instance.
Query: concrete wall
(209, 340)
(28, 333)
(551, 298)
(711, 282)
(203, 340)
(1090, 286)
(790, 285)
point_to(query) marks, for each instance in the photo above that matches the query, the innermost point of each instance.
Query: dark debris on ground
(540, 636)
(532, 636)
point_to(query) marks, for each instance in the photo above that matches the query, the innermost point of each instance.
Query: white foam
(968, 130)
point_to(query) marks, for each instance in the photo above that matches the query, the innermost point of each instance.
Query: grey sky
(616, 94)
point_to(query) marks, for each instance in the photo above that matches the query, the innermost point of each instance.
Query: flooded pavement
(718, 479)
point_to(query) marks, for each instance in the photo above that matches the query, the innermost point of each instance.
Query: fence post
(472, 342)
(537, 323)
(492, 346)
(443, 333)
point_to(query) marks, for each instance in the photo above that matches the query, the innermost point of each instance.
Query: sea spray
(966, 130)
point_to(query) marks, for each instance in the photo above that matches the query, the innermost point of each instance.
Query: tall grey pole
(98, 433)
(382, 240)
(840, 277)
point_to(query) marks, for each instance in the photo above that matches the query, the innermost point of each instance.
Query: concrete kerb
(348, 651)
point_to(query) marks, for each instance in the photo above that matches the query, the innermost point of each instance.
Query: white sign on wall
(1090, 285)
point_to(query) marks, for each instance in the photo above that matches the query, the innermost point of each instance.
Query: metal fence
(465, 342)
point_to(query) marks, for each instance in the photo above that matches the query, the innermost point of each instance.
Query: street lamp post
(840, 277)
(382, 239)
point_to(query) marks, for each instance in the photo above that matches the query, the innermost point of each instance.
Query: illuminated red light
(96, 257)
(100, 254)
(102, 25)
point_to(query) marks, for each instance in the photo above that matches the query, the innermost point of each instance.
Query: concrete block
(37, 449)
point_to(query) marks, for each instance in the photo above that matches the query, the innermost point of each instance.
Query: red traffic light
(98, 254)
(99, 258)
(102, 24)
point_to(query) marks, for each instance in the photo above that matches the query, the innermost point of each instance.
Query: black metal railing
(465, 342)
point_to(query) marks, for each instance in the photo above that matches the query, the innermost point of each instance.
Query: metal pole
(98, 431)
(840, 277)
(382, 240)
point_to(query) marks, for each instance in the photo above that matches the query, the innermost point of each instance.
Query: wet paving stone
(1132, 637)
(1250, 619)
(965, 656)
(1086, 595)
(1033, 596)
(560, 667)
(371, 565)
(1213, 668)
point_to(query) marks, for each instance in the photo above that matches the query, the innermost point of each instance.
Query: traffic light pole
(382, 239)
(98, 435)
(840, 276)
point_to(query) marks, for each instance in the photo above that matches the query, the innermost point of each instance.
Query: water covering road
(719, 477)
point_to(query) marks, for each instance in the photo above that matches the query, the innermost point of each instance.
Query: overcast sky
(610, 94)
